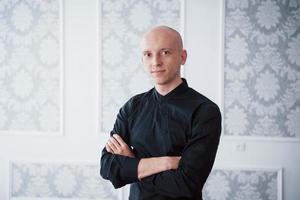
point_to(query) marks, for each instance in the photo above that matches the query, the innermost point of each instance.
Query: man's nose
(156, 61)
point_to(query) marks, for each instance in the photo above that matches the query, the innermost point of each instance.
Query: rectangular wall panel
(259, 184)
(262, 69)
(58, 180)
(122, 25)
(30, 66)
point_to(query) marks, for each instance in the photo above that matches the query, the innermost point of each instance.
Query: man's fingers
(119, 139)
(113, 147)
(115, 142)
(117, 145)
(108, 149)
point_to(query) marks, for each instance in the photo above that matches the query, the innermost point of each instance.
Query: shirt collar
(180, 89)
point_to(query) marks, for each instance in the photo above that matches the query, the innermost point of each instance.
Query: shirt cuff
(130, 166)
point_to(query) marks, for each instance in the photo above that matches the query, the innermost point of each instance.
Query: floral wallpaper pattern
(80, 181)
(30, 65)
(262, 68)
(225, 184)
(67, 181)
(122, 26)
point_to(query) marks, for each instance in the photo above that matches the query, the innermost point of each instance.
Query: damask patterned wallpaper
(122, 26)
(240, 184)
(30, 81)
(79, 181)
(65, 181)
(262, 68)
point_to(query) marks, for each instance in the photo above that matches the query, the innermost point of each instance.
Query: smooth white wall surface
(203, 34)
(81, 141)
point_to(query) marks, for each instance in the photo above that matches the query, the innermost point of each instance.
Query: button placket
(164, 117)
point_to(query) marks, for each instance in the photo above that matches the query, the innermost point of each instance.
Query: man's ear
(183, 56)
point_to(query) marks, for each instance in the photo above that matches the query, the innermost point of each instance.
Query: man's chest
(158, 130)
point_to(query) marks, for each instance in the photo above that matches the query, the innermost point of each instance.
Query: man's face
(162, 56)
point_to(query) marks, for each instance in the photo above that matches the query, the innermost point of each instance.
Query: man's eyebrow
(168, 49)
(162, 49)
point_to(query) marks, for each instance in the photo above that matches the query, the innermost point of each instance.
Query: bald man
(165, 140)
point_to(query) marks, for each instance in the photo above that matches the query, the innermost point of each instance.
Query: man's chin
(160, 82)
(163, 82)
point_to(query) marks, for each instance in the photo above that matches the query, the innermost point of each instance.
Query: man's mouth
(157, 71)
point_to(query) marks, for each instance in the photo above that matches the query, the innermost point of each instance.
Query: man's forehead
(150, 45)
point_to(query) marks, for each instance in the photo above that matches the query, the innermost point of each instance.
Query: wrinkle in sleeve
(197, 158)
(120, 170)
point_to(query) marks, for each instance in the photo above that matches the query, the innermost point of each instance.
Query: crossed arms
(176, 177)
(146, 166)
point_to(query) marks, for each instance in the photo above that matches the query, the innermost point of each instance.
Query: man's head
(163, 55)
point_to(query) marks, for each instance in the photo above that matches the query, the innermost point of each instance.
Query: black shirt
(181, 123)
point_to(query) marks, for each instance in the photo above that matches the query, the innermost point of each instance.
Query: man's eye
(147, 54)
(165, 52)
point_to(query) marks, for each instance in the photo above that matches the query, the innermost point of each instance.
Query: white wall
(203, 41)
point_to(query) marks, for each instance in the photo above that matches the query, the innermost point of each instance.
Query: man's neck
(166, 88)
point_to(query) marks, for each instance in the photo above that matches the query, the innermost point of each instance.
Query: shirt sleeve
(120, 170)
(197, 158)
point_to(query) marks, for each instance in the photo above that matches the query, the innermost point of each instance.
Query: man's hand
(171, 162)
(154, 165)
(147, 166)
(116, 145)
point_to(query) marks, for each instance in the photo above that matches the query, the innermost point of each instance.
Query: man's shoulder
(199, 98)
(135, 100)
(204, 107)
